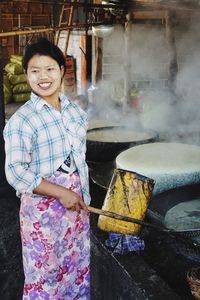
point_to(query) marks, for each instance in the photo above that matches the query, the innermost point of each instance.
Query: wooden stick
(125, 218)
(31, 31)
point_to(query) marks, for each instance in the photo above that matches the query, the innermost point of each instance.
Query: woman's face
(44, 76)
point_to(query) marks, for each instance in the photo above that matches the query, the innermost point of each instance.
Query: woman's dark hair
(43, 47)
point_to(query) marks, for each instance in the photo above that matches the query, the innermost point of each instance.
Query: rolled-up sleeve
(18, 136)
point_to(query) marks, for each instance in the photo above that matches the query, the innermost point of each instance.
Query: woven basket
(193, 278)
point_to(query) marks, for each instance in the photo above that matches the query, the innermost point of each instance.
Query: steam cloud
(148, 61)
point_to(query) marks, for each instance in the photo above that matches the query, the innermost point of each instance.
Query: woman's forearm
(68, 198)
(46, 188)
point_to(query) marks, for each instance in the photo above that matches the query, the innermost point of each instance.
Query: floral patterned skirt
(55, 246)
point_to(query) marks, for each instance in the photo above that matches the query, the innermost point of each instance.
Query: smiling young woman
(45, 76)
(45, 144)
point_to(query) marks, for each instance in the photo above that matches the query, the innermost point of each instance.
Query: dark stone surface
(126, 277)
(108, 277)
(159, 271)
(11, 270)
(171, 257)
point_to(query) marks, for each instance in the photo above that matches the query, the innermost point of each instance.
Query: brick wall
(19, 16)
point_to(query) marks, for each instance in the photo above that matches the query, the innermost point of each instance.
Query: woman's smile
(44, 85)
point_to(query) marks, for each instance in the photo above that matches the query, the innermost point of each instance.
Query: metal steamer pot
(162, 203)
(104, 151)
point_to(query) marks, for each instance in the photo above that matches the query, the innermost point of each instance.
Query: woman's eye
(34, 71)
(50, 69)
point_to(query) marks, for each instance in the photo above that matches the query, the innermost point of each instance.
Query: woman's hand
(72, 200)
(68, 198)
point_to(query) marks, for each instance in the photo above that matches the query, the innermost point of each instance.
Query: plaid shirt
(38, 139)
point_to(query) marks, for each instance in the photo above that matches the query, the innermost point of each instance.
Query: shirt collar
(39, 103)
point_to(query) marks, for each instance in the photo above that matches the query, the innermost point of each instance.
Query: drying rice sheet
(171, 165)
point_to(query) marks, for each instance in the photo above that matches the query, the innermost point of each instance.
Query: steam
(174, 119)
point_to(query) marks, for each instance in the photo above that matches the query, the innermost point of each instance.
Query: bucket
(128, 195)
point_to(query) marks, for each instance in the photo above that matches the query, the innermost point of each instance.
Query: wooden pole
(127, 61)
(70, 22)
(98, 59)
(59, 22)
(170, 38)
(21, 32)
(83, 63)
(31, 31)
(3, 181)
(126, 218)
(75, 4)
(88, 40)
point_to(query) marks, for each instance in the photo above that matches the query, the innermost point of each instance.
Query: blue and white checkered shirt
(39, 138)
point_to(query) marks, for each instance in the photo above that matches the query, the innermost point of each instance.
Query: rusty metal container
(128, 195)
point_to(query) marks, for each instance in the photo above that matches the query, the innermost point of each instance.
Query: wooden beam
(148, 15)
(166, 4)
(170, 38)
(21, 32)
(98, 59)
(3, 181)
(160, 14)
(127, 61)
(70, 22)
(71, 3)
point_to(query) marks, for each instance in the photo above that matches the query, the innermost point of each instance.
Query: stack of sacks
(20, 87)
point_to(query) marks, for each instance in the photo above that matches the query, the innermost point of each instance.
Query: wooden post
(70, 21)
(86, 59)
(83, 63)
(3, 181)
(98, 59)
(127, 61)
(170, 38)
